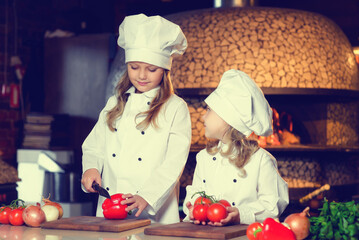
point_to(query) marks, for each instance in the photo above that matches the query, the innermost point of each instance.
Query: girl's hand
(233, 217)
(134, 201)
(190, 210)
(90, 175)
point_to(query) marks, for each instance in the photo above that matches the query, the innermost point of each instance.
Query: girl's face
(144, 76)
(214, 125)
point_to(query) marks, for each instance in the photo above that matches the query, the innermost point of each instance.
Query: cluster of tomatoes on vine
(206, 208)
(12, 214)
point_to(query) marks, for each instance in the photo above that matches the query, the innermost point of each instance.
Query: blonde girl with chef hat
(140, 143)
(233, 167)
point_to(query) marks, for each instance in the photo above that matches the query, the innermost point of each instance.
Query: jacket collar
(150, 94)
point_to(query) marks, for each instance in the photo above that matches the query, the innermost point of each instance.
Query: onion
(299, 223)
(47, 201)
(33, 216)
(51, 212)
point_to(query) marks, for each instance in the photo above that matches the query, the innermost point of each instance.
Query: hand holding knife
(103, 192)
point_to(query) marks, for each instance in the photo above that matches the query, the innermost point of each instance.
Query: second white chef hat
(241, 103)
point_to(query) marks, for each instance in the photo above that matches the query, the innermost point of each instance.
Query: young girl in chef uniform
(233, 167)
(140, 143)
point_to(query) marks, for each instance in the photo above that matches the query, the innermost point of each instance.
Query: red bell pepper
(113, 209)
(273, 230)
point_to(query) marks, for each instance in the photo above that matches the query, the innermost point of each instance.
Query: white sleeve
(272, 193)
(94, 145)
(197, 185)
(163, 180)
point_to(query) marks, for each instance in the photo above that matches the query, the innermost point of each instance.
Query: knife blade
(103, 192)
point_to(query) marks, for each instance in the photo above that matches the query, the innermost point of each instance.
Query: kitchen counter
(22, 232)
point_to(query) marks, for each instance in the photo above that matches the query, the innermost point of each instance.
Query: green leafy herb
(336, 221)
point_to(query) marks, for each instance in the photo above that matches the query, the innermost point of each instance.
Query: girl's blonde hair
(239, 150)
(166, 90)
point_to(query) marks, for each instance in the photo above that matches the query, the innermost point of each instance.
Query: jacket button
(214, 158)
(143, 132)
(113, 155)
(204, 180)
(148, 103)
(233, 204)
(234, 180)
(115, 129)
(139, 159)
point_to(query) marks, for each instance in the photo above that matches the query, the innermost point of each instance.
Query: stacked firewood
(300, 172)
(8, 174)
(197, 108)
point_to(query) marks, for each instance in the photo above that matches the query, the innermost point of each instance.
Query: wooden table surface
(22, 232)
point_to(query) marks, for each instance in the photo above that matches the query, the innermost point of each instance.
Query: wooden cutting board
(98, 224)
(187, 229)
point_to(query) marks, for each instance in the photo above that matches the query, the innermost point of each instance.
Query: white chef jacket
(145, 162)
(262, 193)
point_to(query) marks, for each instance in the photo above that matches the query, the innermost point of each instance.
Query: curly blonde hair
(240, 148)
(165, 92)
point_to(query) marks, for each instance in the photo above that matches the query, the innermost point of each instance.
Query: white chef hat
(241, 103)
(152, 40)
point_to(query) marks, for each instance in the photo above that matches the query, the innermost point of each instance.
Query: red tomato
(15, 217)
(253, 232)
(202, 200)
(200, 212)
(216, 212)
(224, 203)
(4, 215)
(113, 209)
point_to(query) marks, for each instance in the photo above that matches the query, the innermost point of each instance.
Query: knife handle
(95, 186)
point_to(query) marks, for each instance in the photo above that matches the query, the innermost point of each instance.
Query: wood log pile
(8, 174)
(280, 48)
(197, 108)
(338, 172)
(342, 123)
(300, 172)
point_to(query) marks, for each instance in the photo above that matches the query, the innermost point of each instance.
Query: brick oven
(305, 66)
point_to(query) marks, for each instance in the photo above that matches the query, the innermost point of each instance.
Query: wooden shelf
(299, 148)
(315, 92)
(313, 148)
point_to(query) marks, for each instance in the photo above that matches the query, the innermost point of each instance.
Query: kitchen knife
(103, 192)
